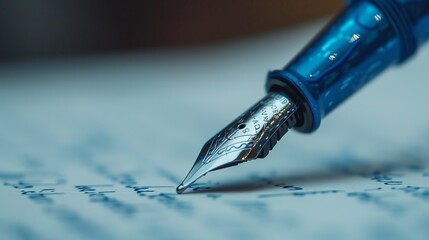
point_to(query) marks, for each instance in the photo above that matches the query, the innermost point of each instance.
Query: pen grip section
(355, 47)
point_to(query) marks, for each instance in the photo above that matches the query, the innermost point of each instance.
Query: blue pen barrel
(365, 39)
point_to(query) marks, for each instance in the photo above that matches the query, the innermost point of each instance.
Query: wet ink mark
(377, 201)
(42, 196)
(196, 187)
(171, 200)
(28, 184)
(31, 179)
(143, 191)
(300, 194)
(45, 197)
(18, 185)
(102, 197)
(386, 180)
(373, 189)
(149, 192)
(214, 195)
(167, 199)
(418, 192)
(289, 187)
(93, 188)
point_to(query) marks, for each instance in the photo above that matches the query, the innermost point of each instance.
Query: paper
(94, 148)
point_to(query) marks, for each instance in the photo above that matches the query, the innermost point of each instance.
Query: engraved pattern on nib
(249, 132)
(223, 143)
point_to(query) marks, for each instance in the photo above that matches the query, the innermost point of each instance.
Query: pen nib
(252, 135)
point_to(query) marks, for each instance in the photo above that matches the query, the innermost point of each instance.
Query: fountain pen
(366, 38)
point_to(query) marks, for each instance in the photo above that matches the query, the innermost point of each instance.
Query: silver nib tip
(180, 189)
(250, 136)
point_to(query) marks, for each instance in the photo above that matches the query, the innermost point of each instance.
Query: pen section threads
(281, 131)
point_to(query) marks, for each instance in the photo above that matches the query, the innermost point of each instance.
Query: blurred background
(51, 28)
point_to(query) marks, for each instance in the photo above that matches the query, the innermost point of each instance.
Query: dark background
(53, 28)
